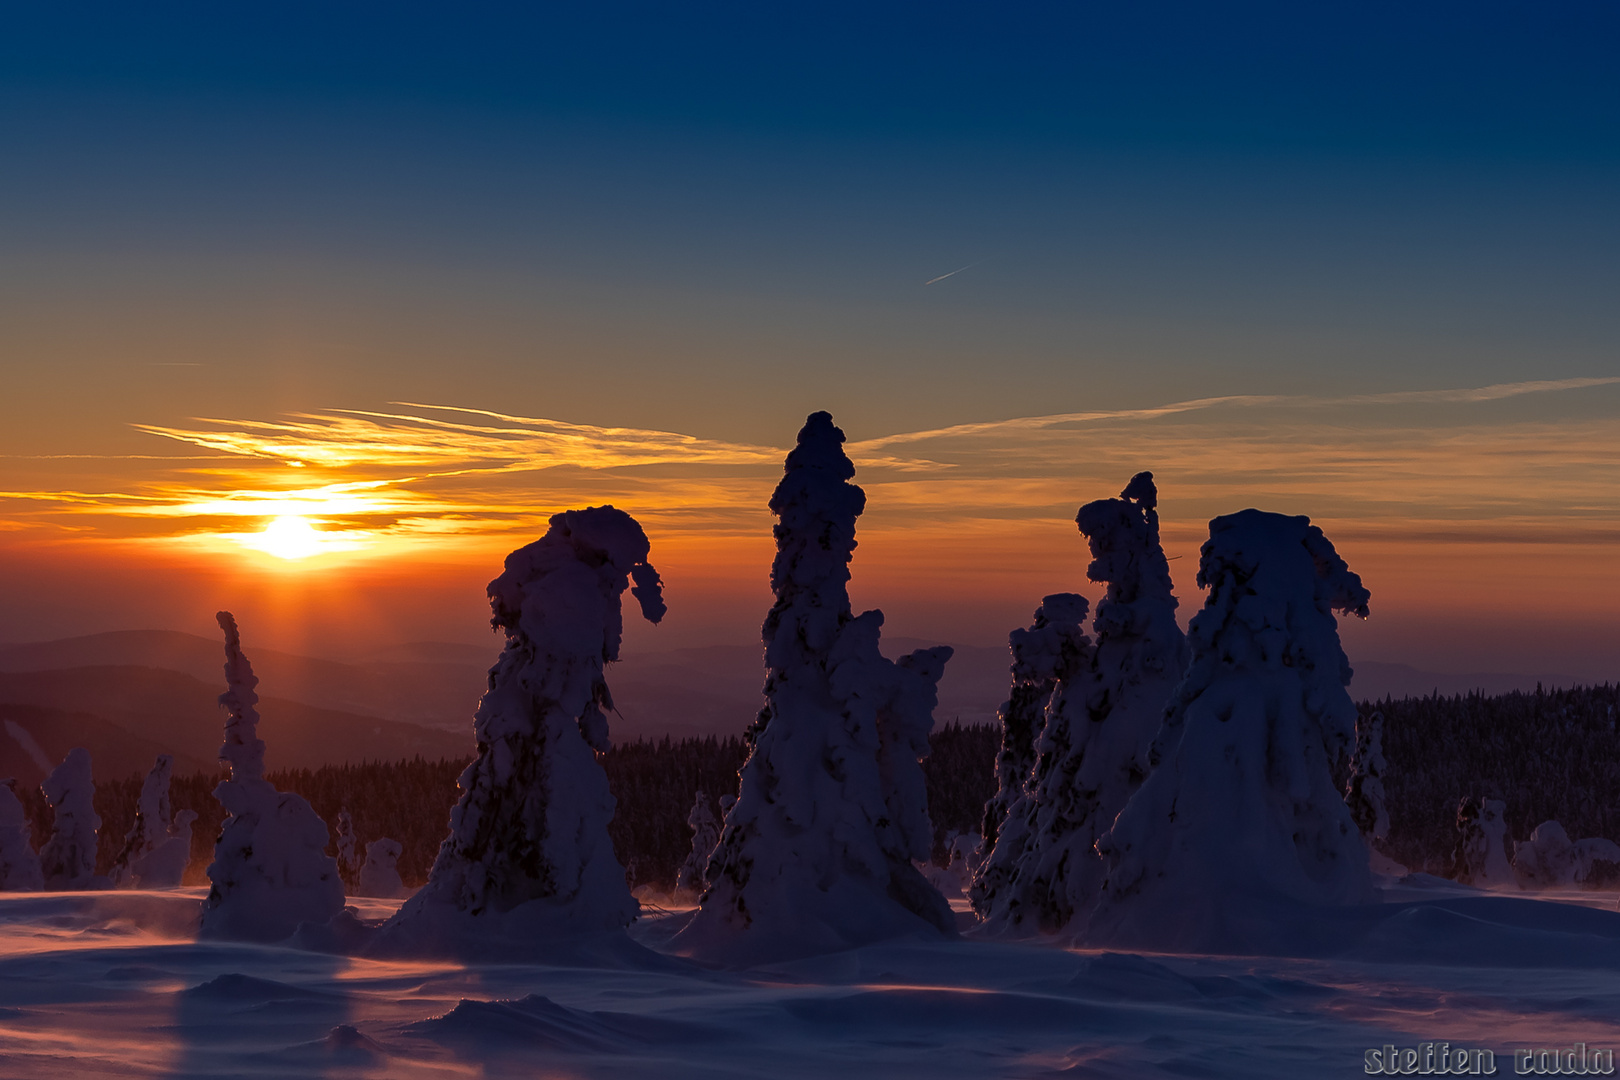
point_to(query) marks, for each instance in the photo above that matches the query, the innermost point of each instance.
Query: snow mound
(1239, 828)
(19, 865)
(68, 858)
(528, 851)
(270, 871)
(818, 852)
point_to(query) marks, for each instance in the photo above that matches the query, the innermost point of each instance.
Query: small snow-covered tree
(379, 876)
(151, 825)
(164, 866)
(19, 864)
(1549, 859)
(693, 875)
(270, 871)
(529, 836)
(1239, 826)
(68, 858)
(1364, 793)
(1481, 856)
(1092, 752)
(1053, 649)
(818, 852)
(348, 848)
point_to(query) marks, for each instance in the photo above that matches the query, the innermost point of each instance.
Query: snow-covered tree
(705, 835)
(164, 866)
(1053, 648)
(1239, 826)
(528, 851)
(379, 876)
(1481, 857)
(270, 871)
(1549, 859)
(68, 858)
(151, 825)
(818, 852)
(347, 846)
(19, 864)
(1364, 793)
(1092, 752)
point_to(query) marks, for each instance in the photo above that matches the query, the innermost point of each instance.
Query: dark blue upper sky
(1210, 198)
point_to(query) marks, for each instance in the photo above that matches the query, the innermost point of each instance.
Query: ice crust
(528, 855)
(270, 871)
(19, 863)
(817, 854)
(1239, 824)
(68, 857)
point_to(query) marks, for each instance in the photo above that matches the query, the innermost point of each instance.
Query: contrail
(958, 270)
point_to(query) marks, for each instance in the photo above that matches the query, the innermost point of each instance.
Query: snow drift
(270, 871)
(817, 854)
(528, 855)
(1239, 827)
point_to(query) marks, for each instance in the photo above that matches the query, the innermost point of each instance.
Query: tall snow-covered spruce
(1091, 754)
(1239, 831)
(528, 855)
(705, 834)
(1364, 791)
(817, 854)
(270, 871)
(151, 825)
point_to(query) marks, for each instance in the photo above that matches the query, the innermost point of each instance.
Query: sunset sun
(292, 537)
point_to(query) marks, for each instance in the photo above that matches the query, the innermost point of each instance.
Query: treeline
(1549, 755)
(654, 783)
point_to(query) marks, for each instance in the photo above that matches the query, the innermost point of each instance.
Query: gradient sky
(605, 252)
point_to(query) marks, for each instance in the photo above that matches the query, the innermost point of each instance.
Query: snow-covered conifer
(1092, 751)
(693, 875)
(528, 851)
(1549, 859)
(1481, 857)
(19, 864)
(1364, 793)
(1053, 648)
(380, 874)
(1239, 825)
(818, 852)
(151, 825)
(68, 858)
(347, 846)
(270, 870)
(164, 866)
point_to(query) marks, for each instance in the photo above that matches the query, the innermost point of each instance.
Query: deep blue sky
(732, 211)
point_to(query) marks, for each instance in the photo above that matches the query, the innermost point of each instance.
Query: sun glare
(292, 537)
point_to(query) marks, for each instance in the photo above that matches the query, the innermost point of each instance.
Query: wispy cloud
(441, 475)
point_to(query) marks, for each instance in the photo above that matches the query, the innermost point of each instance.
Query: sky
(382, 287)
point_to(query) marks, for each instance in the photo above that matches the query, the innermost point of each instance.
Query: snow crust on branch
(151, 825)
(68, 858)
(270, 871)
(817, 853)
(379, 875)
(19, 864)
(528, 853)
(1091, 753)
(1239, 825)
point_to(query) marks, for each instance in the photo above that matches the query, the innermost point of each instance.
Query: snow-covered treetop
(598, 546)
(1254, 563)
(1125, 551)
(243, 749)
(1053, 646)
(816, 507)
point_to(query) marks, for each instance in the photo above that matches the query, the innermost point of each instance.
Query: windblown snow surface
(115, 984)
